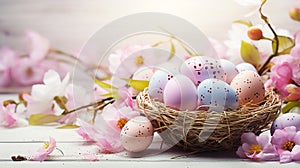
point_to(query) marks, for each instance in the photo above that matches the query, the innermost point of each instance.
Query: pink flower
(8, 117)
(7, 59)
(287, 143)
(119, 56)
(126, 96)
(105, 137)
(294, 92)
(42, 153)
(281, 75)
(285, 74)
(87, 131)
(36, 45)
(106, 130)
(116, 115)
(257, 147)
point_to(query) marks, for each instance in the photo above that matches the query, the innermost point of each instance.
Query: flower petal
(241, 153)
(263, 139)
(286, 157)
(297, 138)
(296, 153)
(249, 138)
(291, 132)
(279, 138)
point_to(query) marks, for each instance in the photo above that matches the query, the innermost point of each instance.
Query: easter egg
(245, 67)
(217, 94)
(230, 70)
(199, 68)
(137, 134)
(249, 87)
(180, 93)
(158, 82)
(286, 120)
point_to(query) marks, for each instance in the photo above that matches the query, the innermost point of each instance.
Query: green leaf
(40, 119)
(111, 94)
(68, 127)
(138, 85)
(105, 86)
(285, 45)
(244, 22)
(290, 105)
(250, 53)
(159, 43)
(172, 50)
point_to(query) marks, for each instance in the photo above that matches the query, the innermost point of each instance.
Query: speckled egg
(230, 70)
(245, 67)
(249, 87)
(158, 82)
(286, 120)
(217, 94)
(200, 68)
(137, 134)
(180, 93)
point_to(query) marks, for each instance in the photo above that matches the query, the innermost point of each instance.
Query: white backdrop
(69, 23)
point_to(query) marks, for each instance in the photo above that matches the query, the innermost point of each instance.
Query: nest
(203, 130)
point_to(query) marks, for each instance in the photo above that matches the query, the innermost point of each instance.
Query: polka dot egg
(217, 94)
(249, 87)
(286, 120)
(137, 134)
(202, 67)
(158, 82)
(230, 70)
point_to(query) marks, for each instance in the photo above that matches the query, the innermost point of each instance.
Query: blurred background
(68, 24)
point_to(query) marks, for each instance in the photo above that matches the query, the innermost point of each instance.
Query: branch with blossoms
(280, 65)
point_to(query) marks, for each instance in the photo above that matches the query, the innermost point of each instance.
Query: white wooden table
(22, 140)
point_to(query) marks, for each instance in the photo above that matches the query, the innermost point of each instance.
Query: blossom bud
(255, 33)
(21, 99)
(295, 13)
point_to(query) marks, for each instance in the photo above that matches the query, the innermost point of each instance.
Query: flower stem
(264, 67)
(101, 102)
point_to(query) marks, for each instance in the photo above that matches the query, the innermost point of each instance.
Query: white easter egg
(137, 134)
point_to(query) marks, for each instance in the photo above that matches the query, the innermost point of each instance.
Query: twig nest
(201, 130)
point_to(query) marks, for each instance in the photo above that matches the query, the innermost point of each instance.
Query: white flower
(41, 98)
(115, 59)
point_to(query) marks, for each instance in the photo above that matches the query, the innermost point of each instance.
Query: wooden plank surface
(23, 140)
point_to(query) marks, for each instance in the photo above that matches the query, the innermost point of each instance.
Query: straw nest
(202, 130)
